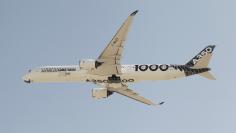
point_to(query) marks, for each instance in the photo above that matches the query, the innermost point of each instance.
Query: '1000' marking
(162, 67)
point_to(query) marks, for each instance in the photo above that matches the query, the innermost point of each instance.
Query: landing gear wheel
(114, 79)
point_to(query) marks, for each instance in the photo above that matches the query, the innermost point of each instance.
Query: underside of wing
(111, 55)
(131, 94)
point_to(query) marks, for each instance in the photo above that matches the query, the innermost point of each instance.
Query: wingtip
(134, 13)
(161, 103)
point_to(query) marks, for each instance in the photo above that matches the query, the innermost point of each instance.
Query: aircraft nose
(26, 78)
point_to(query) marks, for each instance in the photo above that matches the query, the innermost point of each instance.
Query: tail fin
(201, 60)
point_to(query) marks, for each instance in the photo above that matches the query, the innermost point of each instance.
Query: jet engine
(99, 93)
(89, 64)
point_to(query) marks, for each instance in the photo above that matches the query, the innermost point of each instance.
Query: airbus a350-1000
(112, 77)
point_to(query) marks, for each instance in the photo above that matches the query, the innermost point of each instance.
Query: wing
(131, 94)
(111, 55)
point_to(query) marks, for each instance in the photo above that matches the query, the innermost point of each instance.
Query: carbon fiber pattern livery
(188, 70)
(208, 50)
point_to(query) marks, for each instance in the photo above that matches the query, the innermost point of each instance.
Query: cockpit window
(29, 70)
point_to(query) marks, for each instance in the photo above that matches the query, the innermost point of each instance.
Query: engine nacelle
(99, 93)
(87, 64)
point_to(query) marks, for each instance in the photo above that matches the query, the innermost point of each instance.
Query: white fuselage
(130, 73)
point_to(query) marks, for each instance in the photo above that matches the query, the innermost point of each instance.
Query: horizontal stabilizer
(207, 75)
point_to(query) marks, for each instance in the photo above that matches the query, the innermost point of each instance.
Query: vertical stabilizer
(202, 59)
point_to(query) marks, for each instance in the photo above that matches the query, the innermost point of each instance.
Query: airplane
(112, 77)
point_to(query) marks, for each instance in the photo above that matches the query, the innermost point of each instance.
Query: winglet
(161, 103)
(135, 12)
(158, 105)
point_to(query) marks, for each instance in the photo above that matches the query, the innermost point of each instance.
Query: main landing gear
(114, 79)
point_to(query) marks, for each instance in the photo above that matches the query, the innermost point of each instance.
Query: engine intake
(99, 93)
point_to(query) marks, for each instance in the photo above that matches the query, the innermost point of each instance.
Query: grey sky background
(54, 32)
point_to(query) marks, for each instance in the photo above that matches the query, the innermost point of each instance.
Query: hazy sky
(55, 32)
